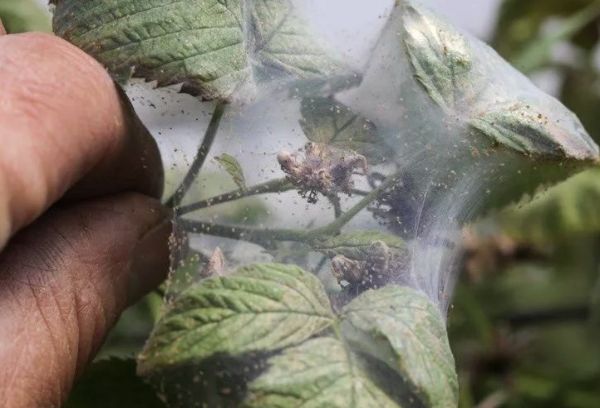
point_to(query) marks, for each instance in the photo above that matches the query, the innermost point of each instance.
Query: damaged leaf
(259, 308)
(391, 351)
(329, 122)
(318, 373)
(216, 49)
(402, 328)
(440, 56)
(522, 128)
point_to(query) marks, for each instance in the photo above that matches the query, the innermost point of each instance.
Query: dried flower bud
(371, 270)
(345, 269)
(322, 170)
(215, 266)
(378, 260)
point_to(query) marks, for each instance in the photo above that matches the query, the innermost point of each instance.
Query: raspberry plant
(349, 310)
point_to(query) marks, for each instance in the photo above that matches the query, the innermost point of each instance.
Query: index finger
(64, 126)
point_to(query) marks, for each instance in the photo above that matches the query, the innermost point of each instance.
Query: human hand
(80, 236)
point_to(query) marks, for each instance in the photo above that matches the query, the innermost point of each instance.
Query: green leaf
(440, 55)
(19, 16)
(392, 351)
(520, 26)
(357, 244)
(283, 42)
(327, 121)
(232, 166)
(319, 373)
(217, 49)
(565, 211)
(112, 383)
(404, 330)
(260, 308)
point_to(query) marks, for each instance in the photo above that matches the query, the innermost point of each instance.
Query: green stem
(250, 234)
(273, 186)
(336, 204)
(262, 235)
(338, 224)
(209, 137)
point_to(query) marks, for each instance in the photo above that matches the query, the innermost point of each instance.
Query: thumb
(63, 283)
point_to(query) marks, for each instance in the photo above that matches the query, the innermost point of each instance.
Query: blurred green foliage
(524, 324)
(20, 16)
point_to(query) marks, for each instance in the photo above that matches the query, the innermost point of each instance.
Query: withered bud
(215, 266)
(322, 170)
(346, 269)
(378, 259)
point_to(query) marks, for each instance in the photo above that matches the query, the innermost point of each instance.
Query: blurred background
(525, 321)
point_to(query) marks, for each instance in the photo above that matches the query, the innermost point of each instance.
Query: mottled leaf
(404, 330)
(259, 308)
(474, 85)
(523, 128)
(233, 167)
(327, 121)
(198, 43)
(319, 373)
(356, 244)
(439, 54)
(215, 48)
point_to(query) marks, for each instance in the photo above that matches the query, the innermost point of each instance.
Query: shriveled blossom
(371, 271)
(321, 169)
(398, 207)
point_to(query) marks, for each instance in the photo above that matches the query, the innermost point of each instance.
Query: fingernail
(2, 29)
(150, 264)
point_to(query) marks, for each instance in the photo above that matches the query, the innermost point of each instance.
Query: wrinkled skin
(82, 234)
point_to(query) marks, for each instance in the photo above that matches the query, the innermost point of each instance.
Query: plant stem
(250, 234)
(336, 204)
(321, 264)
(273, 186)
(262, 236)
(358, 192)
(209, 137)
(337, 225)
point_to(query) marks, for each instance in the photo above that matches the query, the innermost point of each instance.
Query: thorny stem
(273, 186)
(209, 137)
(261, 236)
